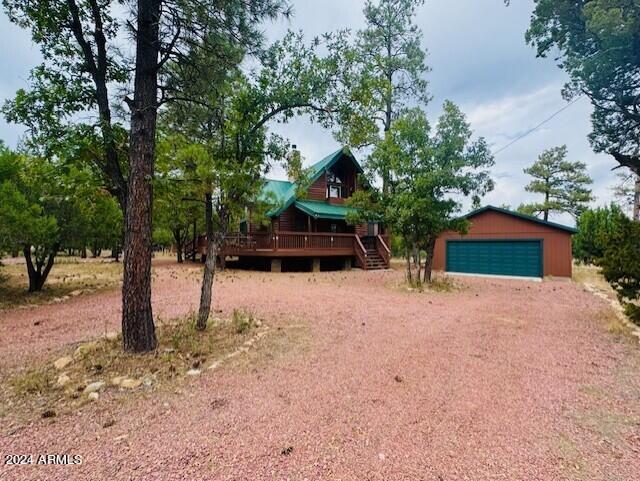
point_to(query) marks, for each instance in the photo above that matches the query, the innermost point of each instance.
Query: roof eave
(529, 218)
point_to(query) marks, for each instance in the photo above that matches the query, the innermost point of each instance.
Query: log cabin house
(309, 233)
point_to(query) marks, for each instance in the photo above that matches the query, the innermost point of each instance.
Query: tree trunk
(180, 239)
(38, 276)
(408, 256)
(546, 206)
(195, 240)
(388, 114)
(207, 285)
(418, 263)
(636, 199)
(83, 252)
(138, 330)
(209, 268)
(428, 262)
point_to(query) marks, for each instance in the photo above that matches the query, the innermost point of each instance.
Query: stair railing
(361, 252)
(383, 250)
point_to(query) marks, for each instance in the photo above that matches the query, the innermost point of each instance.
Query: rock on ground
(62, 362)
(94, 387)
(130, 383)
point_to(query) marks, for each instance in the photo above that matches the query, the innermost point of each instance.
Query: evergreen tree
(224, 128)
(597, 42)
(386, 73)
(83, 67)
(427, 173)
(562, 183)
(621, 265)
(594, 229)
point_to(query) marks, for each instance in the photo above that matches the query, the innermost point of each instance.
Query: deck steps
(375, 261)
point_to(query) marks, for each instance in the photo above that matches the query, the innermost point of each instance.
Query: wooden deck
(281, 244)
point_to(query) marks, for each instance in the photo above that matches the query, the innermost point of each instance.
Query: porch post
(347, 263)
(276, 265)
(316, 264)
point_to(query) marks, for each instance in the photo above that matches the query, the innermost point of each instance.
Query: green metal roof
(322, 210)
(276, 188)
(285, 192)
(319, 167)
(521, 216)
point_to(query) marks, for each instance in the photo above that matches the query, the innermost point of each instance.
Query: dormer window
(334, 186)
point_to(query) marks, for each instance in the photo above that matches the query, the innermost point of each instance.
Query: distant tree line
(51, 206)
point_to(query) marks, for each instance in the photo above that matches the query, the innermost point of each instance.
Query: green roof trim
(322, 210)
(285, 191)
(529, 218)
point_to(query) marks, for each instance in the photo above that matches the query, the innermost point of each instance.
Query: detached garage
(501, 242)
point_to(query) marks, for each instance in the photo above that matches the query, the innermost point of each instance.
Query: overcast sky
(479, 60)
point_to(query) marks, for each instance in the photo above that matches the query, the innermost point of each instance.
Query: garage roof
(530, 218)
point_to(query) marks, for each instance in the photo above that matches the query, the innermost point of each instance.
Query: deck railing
(283, 240)
(297, 244)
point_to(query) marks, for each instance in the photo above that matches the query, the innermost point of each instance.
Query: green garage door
(506, 257)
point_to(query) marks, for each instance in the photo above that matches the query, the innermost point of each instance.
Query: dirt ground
(70, 277)
(499, 380)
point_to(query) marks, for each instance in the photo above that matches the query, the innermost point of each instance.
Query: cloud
(479, 60)
(497, 118)
(505, 119)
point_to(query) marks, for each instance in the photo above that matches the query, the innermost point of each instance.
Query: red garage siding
(493, 224)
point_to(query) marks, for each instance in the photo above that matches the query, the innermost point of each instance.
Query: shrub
(594, 228)
(34, 381)
(242, 321)
(621, 265)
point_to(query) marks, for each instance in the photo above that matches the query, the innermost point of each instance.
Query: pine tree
(563, 184)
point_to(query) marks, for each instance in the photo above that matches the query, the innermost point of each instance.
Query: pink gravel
(504, 380)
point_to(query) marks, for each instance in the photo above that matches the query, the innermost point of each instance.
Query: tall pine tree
(562, 183)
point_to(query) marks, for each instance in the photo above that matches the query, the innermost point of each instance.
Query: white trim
(495, 276)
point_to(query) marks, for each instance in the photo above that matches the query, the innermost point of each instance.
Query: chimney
(294, 163)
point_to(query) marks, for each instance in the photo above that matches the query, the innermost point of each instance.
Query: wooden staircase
(375, 261)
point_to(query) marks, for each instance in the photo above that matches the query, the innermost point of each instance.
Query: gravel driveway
(503, 380)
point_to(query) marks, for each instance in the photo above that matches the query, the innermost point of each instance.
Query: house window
(334, 186)
(334, 191)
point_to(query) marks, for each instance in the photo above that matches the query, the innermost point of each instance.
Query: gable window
(335, 188)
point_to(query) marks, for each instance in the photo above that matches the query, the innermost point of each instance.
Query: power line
(530, 131)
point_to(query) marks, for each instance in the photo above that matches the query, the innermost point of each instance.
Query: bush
(34, 381)
(621, 265)
(594, 228)
(3, 276)
(242, 321)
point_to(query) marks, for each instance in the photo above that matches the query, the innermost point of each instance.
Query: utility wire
(530, 131)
